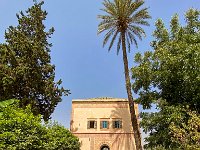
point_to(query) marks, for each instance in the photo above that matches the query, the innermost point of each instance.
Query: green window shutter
(88, 125)
(95, 124)
(105, 124)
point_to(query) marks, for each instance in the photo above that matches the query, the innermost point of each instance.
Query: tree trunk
(134, 118)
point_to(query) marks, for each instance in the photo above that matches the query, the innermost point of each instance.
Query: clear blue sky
(86, 68)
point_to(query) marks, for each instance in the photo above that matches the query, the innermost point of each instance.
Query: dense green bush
(20, 129)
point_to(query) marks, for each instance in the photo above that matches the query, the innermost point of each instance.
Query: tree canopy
(26, 72)
(173, 127)
(169, 76)
(172, 70)
(123, 17)
(21, 129)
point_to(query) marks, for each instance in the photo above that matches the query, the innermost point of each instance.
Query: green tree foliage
(173, 127)
(26, 72)
(172, 71)
(5, 103)
(186, 131)
(60, 139)
(170, 77)
(123, 21)
(20, 129)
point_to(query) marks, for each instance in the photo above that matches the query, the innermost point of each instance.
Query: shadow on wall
(123, 141)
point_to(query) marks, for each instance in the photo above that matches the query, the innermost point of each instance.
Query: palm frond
(132, 39)
(130, 36)
(134, 6)
(135, 32)
(106, 21)
(142, 22)
(139, 15)
(135, 42)
(138, 31)
(113, 40)
(127, 8)
(122, 8)
(117, 5)
(110, 8)
(119, 43)
(105, 17)
(108, 35)
(128, 42)
(105, 27)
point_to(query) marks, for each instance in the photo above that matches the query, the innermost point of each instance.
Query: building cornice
(100, 99)
(102, 133)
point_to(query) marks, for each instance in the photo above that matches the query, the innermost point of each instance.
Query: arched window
(105, 147)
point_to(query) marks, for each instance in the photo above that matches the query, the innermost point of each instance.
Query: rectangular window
(92, 124)
(105, 124)
(117, 124)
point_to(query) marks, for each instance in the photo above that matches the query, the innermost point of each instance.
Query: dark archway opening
(105, 147)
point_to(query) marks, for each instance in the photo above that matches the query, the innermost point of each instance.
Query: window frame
(104, 123)
(89, 124)
(117, 123)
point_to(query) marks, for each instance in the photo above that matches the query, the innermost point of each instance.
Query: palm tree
(122, 21)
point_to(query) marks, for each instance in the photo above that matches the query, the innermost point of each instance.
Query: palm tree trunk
(134, 118)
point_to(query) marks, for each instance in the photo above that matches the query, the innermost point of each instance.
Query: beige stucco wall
(109, 109)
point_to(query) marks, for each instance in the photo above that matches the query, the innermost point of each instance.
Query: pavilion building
(102, 123)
